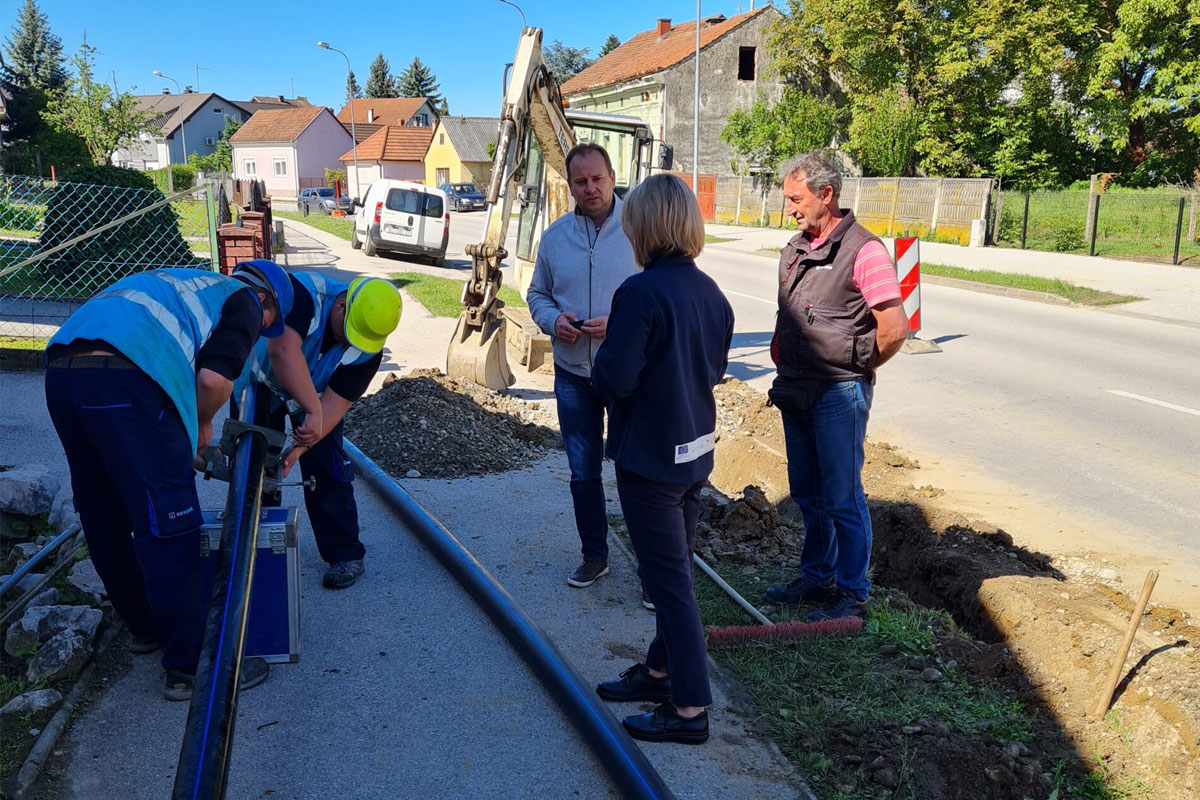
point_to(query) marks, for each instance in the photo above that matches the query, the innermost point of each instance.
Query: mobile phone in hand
(577, 324)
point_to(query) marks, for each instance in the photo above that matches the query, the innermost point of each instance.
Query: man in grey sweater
(583, 257)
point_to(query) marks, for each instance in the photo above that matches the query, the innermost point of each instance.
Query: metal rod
(733, 593)
(1095, 225)
(625, 763)
(28, 566)
(1178, 232)
(208, 737)
(696, 114)
(1025, 221)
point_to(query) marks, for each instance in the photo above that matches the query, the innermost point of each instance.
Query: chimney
(664, 25)
(370, 115)
(280, 97)
(166, 91)
(187, 90)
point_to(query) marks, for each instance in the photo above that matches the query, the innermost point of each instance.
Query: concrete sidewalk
(1171, 293)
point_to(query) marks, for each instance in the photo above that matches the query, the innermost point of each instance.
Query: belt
(92, 362)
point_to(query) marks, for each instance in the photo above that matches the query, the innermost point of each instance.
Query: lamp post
(353, 136)
(524, 24)
(182, 132)
(696, 114)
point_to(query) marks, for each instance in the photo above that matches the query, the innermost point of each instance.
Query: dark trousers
(662, 518)
(581, 420)
(131, 470)
(332, 511)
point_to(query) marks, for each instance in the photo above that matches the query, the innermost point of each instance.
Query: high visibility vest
(159, 320)
(321, 366)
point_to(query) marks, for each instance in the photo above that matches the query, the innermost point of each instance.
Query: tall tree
(610, 44)
(380, 82)
(34, 54)
(106, 120)
(353, 90)
(770, 133)
(563, 61)
(884, 130)
(419, 81)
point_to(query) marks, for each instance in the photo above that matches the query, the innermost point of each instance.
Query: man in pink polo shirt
(840, 317)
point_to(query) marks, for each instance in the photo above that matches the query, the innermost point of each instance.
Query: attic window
(745, 63)
(441, 138)
(218, 110)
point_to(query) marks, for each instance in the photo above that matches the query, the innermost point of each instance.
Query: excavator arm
(532, 107)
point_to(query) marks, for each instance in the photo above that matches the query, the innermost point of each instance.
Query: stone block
(32, 702)
(63, 656)
(28, 490)
(83, 579)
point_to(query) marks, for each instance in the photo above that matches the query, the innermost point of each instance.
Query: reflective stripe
(161, 315)
(188, 292)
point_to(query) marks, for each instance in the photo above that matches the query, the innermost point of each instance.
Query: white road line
(1154, 402)
(751, 297)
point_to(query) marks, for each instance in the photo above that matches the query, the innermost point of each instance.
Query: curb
(1000, 291)
(14, 360)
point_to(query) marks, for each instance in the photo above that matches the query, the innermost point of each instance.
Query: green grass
(341, 227)
(441, 296)
(22, 343)
(709, 239)
(1076, 294)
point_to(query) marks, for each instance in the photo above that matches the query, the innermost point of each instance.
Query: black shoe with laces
(842, 604)
(800, 592)
(664, 724)
(636, 683)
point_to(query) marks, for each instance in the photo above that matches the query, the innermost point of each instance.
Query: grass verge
(709, 239)
(341, 227)
(22, 343)
(441, 296)
(1060, 288)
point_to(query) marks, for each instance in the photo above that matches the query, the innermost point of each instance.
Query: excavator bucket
(478, 354)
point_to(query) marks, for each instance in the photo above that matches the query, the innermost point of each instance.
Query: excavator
(529, 168)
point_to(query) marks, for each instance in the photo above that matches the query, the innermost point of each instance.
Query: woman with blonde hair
(667, 347)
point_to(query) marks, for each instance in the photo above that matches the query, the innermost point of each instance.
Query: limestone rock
(83, 578)
(22, 553)
(32, 702)
(63, 656)
(25, 584)
(62, 511)
(46, 597)
(44, 622)
(28, 490)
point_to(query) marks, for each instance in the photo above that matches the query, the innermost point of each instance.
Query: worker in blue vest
(331, 348)
(133, 380)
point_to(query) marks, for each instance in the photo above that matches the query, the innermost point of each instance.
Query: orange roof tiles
(394, 143)
(276, 124)
(386, 110)
(648, 53)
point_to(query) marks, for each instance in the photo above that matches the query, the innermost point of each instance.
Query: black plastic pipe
(628, 767)
(207, 740)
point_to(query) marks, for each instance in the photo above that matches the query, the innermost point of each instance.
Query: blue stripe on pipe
(623, 760)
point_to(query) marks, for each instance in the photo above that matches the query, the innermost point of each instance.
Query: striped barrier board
(908, 271)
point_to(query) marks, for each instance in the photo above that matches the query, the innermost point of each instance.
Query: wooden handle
(1114, 674)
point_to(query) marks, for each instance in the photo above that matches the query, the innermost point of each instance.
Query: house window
(218, 110)
(441, 138)
(279, 167)
(249, 166)
(745, 63)
(210, 141)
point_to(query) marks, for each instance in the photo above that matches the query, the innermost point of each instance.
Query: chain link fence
(60, 243)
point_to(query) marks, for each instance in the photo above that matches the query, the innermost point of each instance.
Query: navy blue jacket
(667, 346)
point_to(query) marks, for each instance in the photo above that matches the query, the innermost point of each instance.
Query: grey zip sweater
(579, 269)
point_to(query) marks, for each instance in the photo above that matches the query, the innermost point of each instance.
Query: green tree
(380, 82)
(884, 129)
(34, 54)
(610, 44)
(353, 90)
(769, 133)
(105, 120)
(563, 61)
(221, 158)
(419, 81)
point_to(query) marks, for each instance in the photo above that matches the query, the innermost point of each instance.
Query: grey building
(201, 123)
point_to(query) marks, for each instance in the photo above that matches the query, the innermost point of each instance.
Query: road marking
(751, 297)
(1154, 402)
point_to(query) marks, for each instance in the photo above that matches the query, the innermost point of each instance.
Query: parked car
(321, 200)
(403, 217)
(464, 196)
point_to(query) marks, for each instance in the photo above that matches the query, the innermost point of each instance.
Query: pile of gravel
(430, 426)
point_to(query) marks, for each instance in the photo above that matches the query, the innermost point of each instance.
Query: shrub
(182, 177)
(1065, 238)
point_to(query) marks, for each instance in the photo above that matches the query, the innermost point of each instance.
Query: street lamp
(524, 24)
(353, 136)
(182, 133)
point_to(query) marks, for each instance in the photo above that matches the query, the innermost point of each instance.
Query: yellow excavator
(529, 167)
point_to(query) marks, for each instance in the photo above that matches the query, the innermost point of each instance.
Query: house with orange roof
(368, 114)
(393, 151)
(652, 76)
(289, 149)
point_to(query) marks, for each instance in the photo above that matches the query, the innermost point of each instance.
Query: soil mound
(747, 530)
(442, 427)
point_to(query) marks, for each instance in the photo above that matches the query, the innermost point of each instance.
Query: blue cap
(272, 279)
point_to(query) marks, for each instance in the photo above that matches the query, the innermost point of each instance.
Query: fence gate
(706, 196)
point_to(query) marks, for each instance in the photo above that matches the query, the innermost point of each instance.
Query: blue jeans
(581, 420)
(825, 460)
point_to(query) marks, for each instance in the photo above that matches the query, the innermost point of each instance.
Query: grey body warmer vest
(825, 329)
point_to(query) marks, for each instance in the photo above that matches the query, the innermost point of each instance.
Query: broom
(767, 632)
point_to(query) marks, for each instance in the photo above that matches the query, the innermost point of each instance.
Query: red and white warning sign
(908, 271)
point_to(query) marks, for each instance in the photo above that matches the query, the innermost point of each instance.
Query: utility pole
(696, 114)
(198, 68)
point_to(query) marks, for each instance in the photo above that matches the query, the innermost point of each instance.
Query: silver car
(321, 201)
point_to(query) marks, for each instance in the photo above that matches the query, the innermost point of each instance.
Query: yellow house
(459, 152)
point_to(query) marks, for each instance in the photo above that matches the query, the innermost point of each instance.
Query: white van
(403, 217)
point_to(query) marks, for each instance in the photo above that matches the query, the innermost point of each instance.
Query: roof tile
(394, 143)
(276, 124)
(387, 110)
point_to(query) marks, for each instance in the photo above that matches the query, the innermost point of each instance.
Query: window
(209, 141)
(433, 206)
(218, 110)
(441, 138)
(249, 166)
(279, 167)
(745, 63)
(406, 201)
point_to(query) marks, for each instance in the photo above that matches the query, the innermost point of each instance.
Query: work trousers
(581, 420)
(131, 471)
(661, 518)
(332, 510)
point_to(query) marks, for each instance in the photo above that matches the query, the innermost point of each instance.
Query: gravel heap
(427, 425)
(747, 530)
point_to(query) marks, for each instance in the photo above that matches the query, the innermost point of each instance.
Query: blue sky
(259, 47)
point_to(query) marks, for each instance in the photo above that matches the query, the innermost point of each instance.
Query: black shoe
(636, 683)
(799, 592)
(587, 573)
(664, 724)
(842, 604)
(179, 685)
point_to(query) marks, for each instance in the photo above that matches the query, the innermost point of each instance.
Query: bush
(182, 177)
(1065, 238)
(92, 196)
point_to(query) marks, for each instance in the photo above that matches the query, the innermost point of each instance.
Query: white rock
(84, 579)
(61, 657)
(44, 622)
(22, 553)
(412, 473)
(28, 490)
(1108, 574)
(62, 510)
(24, 585)
(32, 702)
(46, 597)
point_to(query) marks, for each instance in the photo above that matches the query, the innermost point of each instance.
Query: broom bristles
(796, 630)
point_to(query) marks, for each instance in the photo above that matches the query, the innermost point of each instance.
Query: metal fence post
(1178, 232)
(211, 207)
(1025, 221)
(1095, 218)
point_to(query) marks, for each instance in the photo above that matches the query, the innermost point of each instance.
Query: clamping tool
(218, 460)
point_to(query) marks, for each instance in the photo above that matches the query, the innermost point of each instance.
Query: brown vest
(824, 329)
